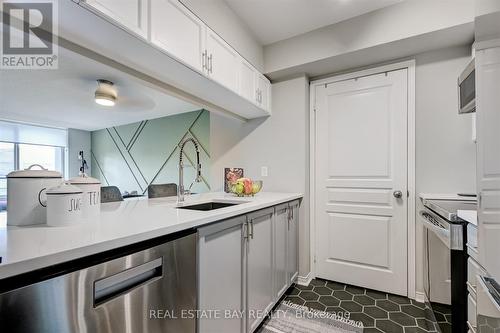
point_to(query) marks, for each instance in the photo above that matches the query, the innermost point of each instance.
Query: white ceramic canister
(91, 187)
(64, 205)
(26, 194)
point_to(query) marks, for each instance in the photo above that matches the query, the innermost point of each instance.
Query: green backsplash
(135, 155)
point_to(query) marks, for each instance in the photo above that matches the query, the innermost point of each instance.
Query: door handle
(397, 194)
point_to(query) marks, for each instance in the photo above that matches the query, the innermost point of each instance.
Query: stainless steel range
(445, 264)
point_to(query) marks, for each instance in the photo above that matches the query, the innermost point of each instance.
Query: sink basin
(206, 206)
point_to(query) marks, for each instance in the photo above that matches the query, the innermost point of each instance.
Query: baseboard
(304, 280)
(420, 297)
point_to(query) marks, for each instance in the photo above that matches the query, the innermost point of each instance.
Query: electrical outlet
(263, 171)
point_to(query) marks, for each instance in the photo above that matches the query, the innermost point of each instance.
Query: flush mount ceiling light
(105, 93)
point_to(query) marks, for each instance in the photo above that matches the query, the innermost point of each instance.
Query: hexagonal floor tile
(376, 294)
(375, 312)
(402, 318)
(322, 290)
(413, 311)
(388, 326)
(317, 282)
(335, 285)
(335, 309)
(309, 287)
(315, 305)
(399, 299)
(371, 330)
(351, 306)
(295, 300)
(363, 300)
(329, 301)
(308, 296)
(414, 330)
(355, 290)
(425, 324)
(418, 304)
(342, 295)
(365, 319)
(387, 305)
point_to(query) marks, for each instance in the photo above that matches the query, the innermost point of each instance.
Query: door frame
(411, 231)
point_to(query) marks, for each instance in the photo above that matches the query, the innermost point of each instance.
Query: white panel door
(361, 163)
(178, 31)
(223, 62)
(259, 261)
(488, 158)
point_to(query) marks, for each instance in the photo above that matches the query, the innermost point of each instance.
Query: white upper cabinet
(248, 76)
(178, 31)
(131, 14)
(222, 61)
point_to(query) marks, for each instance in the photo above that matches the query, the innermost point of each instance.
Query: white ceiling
(65, 97)
(275, 20)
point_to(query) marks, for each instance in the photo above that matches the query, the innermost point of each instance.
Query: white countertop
(24, 249)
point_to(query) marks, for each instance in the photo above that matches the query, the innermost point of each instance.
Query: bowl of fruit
(246, 187)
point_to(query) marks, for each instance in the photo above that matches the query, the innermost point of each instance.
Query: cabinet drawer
(471, 311)
(473, 269)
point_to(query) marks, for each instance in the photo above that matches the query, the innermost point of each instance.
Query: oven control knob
(397, 194)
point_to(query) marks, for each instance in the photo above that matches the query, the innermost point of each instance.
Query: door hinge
(407, 194)
(314, 258)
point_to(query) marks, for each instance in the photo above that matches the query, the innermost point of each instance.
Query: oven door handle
(442, 233)
(125, 281)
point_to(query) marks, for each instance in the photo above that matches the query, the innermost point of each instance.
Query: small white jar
(64, 205)
(91, 188)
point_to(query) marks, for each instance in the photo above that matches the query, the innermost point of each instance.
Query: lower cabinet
(221, 249)
(245, 265)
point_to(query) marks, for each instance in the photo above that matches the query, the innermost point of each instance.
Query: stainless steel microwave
(467, 89)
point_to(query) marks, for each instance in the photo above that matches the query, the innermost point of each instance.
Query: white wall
(280, 142)
(378, 31)
(445, 152)
(222, 19)
(78, 140)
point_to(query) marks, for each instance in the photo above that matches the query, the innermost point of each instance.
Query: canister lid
(84, 179)
(64, 189)
(31, 173)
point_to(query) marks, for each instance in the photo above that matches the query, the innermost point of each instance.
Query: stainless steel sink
(206, 206)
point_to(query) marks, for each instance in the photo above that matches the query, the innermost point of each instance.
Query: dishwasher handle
(124, 282)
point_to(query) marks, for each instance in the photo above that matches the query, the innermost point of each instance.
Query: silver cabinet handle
(251, 230)
(210, 58)
(397, 194)
(204, 60)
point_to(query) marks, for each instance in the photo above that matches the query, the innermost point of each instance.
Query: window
(19, 156)
(7, 164)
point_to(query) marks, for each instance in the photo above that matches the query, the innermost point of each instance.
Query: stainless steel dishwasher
(147, 291)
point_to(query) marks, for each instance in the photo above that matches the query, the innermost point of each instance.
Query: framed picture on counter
(230, 176)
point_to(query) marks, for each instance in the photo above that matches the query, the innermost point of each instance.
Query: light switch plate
(263, 171)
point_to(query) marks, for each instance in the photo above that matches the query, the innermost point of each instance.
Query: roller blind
(32, 134)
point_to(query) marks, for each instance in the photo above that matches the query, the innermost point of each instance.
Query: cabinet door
(178, 31)
(259, 267)
(248, 86)
(293, 241)
(223, 61)
(488, 158)
(131, 14)
(264, 92)
(281, 226)
(220, 285)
